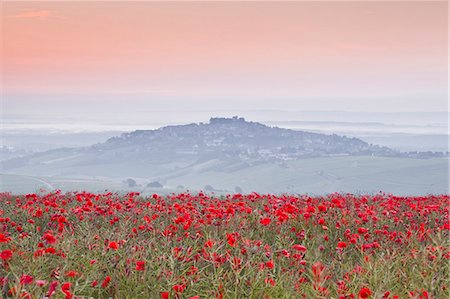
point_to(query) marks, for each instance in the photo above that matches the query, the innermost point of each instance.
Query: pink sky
(216, 49)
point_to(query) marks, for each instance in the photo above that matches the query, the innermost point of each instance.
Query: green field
(325, 175)
(401, 176)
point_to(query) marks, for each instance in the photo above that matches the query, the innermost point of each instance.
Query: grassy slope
(315, 176)
(348, 174)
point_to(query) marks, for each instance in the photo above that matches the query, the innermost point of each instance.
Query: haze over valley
(227, 155)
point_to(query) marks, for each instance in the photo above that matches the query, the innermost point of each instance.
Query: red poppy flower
(71, 273)
(265, 221)
(341, 245)
(140, 265)
(317, 269)
(113, 245)
(40, 282)
(3, 238)
(106, 281)
(231, 239)
(299, 247)
(362, 230)
(322, 208)
(52, 288)
(179, 288)
(49, 238)
(6, 255)
(364, 293)
(26, 279)
(50, 250)
(209, 243)
(66, 286)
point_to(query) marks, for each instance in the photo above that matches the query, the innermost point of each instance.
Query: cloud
(36, 14)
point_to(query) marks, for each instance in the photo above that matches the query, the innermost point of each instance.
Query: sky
(106, 58)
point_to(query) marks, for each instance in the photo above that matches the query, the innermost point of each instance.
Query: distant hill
(223, 154)
(223, 139)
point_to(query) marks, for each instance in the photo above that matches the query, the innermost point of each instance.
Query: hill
(174, 148)
(229, 154)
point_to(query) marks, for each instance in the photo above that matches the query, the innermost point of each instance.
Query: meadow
(115, 245)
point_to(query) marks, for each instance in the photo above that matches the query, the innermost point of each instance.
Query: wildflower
(40, 282)
(265, 221)
(4, 239)
(50, 250)
(26, 279)
(179, 288)
(299, 247)
(66, 286)
(270, 281)
(71, 273)
(362, 230)
(322, 208)
(270, 264)
(49, 238)
(209, 243)
(106, 281)
(341, 245)
(140, 265)
(364, 293)
(231, 239)
(52, 288)
(317, 269)
(6, 255)
(285, 253)
(113, 245)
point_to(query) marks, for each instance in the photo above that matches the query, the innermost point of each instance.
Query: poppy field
(85, 245)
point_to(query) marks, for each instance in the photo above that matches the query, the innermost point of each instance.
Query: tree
(154, 184)
(131, 183)
(238, 189)
(209, 188)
